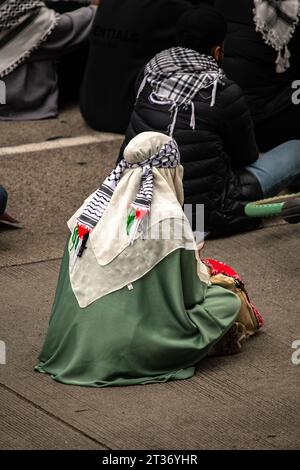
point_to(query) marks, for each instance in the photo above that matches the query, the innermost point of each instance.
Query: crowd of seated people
(219, 76)
(185, 92)
(125, 35)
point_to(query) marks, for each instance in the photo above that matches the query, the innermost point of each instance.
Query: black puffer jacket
(251, 64)
(222, 143)
(125, 35)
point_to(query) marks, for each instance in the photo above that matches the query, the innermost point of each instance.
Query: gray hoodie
(32, 88)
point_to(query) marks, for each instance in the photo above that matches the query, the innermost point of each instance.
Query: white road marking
(58, 144)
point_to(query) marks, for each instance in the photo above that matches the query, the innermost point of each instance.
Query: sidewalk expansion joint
(53, 416)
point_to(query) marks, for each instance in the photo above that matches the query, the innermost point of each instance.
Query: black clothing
(125, 35)
(213, 154)
(251, 64)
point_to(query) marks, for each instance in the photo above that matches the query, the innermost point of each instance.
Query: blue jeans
(277, 168)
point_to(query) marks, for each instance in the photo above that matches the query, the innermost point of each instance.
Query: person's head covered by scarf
(134, 220)
(178, 74)
(24, 25)
(146, 153)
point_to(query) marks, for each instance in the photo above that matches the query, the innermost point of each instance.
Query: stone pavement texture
(248, 401)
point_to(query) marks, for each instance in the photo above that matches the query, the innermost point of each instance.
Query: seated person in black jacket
(266, 64)
(125, 35)
(183, 92)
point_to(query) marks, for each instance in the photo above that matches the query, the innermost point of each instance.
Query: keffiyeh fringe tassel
(271, 38)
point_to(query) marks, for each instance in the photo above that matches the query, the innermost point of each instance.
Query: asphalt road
(248, 401)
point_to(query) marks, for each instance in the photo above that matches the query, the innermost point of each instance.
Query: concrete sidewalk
(248, 401)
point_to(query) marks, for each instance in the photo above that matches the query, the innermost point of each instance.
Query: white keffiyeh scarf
(276, 20)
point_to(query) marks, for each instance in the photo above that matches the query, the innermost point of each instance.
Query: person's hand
(95, 2)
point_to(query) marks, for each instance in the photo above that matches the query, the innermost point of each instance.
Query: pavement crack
(53, 416)
(27, 263)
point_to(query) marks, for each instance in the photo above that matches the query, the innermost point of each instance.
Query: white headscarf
(110, 262)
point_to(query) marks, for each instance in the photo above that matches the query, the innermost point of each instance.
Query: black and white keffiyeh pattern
(276, 20)
(24, 25)
(167, 157)
(176, 75)
(11, 11)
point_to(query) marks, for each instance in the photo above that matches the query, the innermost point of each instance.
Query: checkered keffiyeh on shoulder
(24, 26)
(12, 10)
(276, 20)
(176, 75)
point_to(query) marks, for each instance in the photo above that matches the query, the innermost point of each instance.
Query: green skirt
(157, 331)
